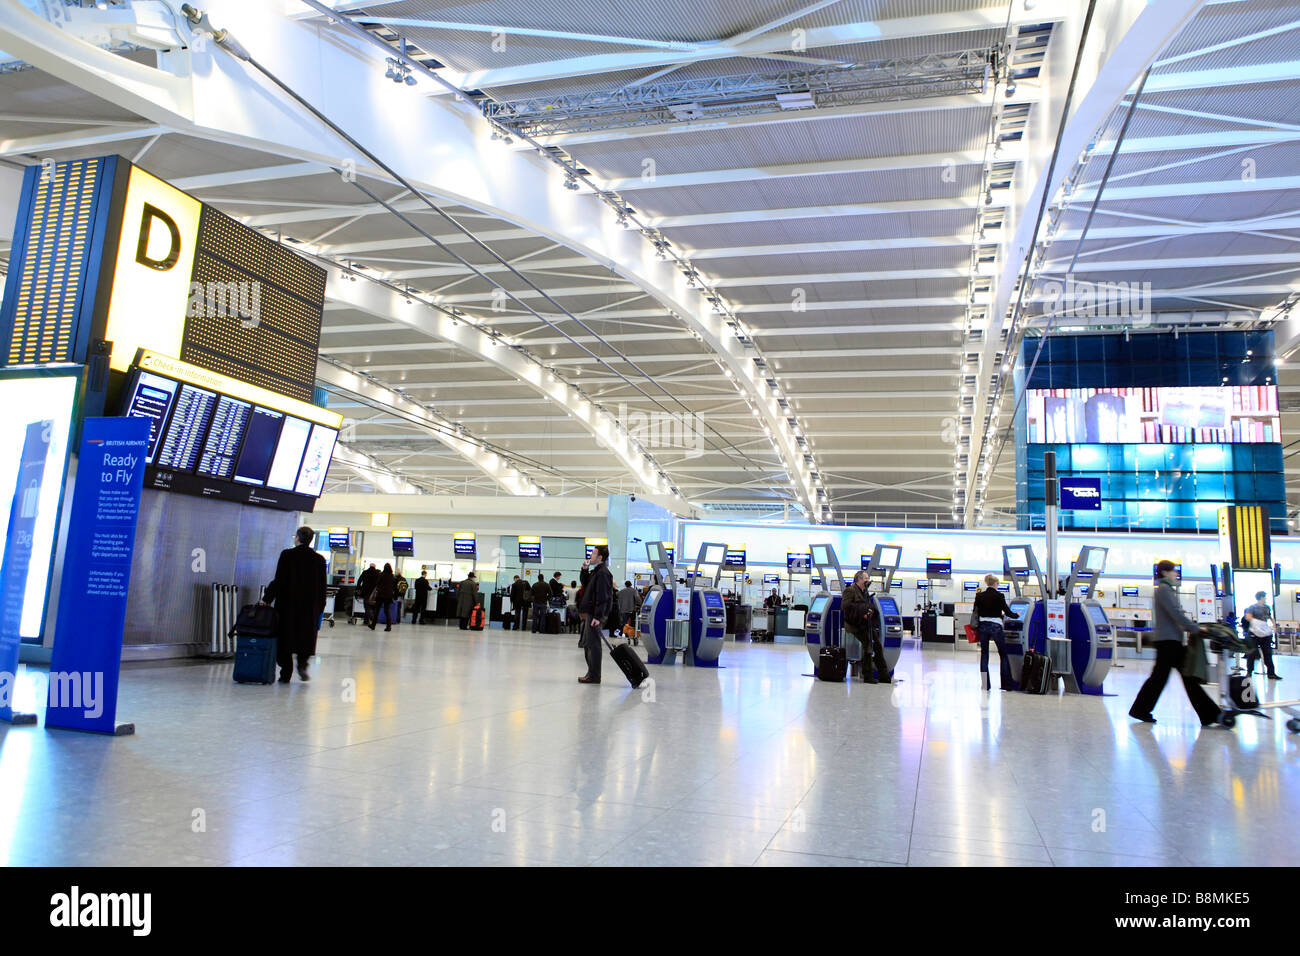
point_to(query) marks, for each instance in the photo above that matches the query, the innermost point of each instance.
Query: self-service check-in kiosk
(888, 620)
(1029, 621)
(822, 625)
(1092, 638)
(658, 610)
(708, 613)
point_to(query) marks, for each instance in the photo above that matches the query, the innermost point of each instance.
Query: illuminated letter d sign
(147, 218)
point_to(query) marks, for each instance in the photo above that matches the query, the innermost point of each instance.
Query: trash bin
(744, 621)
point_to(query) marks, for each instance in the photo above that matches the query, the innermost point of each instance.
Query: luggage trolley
(1237, 691)
(331, 596)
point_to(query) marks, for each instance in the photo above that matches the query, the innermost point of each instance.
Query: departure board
(152, 399)
(183, 438)
(224, 435)
(232, 440)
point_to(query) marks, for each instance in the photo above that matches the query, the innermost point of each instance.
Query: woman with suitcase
(1167, 628)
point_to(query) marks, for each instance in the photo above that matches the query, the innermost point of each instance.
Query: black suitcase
(832, 664)
(628, 661)
(552, 622)
(1035, 673)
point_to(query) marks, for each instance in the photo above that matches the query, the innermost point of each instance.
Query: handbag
(972, 635)
(1196, 665)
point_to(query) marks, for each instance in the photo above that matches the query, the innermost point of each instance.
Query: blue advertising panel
(1080, 494)
(17, 560)
(87, 655)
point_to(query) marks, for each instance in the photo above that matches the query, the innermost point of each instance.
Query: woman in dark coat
(298, 593)
(385, 594)
(466, 597)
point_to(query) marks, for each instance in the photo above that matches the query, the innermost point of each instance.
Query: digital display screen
(590, 545)
(895, 584)
(798, 563)
(970, 586)
(339, 539)
(821, 555)
(1131, 416)
(1004, 588)
(888, 608)
(229, 420)
(938, 567)
(922, 585)
(233, 441)
(183, 439)
(403, 545)
(316, 460)
(819, 604)
(1017, 558)
(734, 558)
(1097, 613)
(866, 562)
(530, 550)
(889, 557)
(152, 399)
(816, 582)
(35, 432)
(259, 445)
(771, 579)
(1096, 559)
(464, 547)
(1019, 608)
(713, 600)
(651, 599)
(288, 453)
(1130, 592)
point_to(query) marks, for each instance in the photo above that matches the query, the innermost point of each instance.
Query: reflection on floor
(434, 746)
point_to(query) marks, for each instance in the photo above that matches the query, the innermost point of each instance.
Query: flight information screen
(259, 445)
(316, 460)
(233, 440)
(224, 436)
(152, 399)
(183, 440)
(288, 454)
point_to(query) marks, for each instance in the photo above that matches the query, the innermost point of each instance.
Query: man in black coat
(365, 585)
(521, 596)
(557, 586)
(421, 597)
(597, 599)
(298, 592)
(541, 603)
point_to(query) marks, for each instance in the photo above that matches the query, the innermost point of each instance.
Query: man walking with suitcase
(597, 599)
(299, 595)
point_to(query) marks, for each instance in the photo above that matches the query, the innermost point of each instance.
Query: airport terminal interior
(680, 433)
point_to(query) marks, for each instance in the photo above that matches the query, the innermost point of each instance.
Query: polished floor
(433, 746)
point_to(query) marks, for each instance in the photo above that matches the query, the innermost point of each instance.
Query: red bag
(972, 635)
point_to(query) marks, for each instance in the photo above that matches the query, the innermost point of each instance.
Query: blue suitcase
(254, 660)
(255, 644)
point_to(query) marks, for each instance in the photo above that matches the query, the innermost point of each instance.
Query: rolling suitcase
(552, 622)
(476, 618)
(255, 642)
(1035, 673)
(628, 661)
(832, 664)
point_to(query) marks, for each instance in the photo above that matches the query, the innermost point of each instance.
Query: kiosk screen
(819, 604)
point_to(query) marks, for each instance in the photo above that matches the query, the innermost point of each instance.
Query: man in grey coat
(1167, 628)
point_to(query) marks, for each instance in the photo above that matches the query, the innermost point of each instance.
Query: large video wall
(1174, 428)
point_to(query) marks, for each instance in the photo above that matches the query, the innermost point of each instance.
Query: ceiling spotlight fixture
(1011, 87)
(570, 181)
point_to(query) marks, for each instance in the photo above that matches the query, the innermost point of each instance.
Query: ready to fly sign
(1080, 494)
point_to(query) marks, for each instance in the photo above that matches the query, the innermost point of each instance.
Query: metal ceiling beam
(45, 144)
(815, 39)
